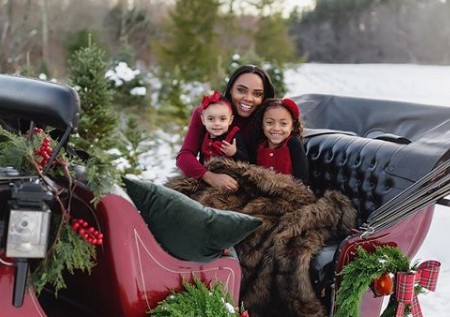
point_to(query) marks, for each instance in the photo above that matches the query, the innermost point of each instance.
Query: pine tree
(133, 148)
(272, 41)
(191, 43)
(98, 122)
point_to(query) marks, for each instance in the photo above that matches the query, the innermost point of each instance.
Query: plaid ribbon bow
(426, 276)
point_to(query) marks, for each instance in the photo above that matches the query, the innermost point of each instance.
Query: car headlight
(27, 233)
(29, 222)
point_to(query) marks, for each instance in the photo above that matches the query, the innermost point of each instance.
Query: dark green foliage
(173, 111)
(70, 253)
(81, 39)
(132, 147)
(98, 122)
(101, 175)
(272, 41)
(360, 273)
(197, 300)
(15, 151)
(191, 43)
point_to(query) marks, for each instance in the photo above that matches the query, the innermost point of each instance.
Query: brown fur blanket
(275, 258)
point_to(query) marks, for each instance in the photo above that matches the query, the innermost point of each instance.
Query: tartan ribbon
(426, 276)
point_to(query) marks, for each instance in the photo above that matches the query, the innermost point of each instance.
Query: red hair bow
(207, 100)
(292, 106)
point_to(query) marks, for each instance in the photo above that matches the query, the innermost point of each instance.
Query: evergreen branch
(360, 273)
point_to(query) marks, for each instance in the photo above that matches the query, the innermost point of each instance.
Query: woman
(247, 88)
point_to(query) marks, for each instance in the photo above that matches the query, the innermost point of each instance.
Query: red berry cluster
(244, 314)
(45, 151)
(88, 233)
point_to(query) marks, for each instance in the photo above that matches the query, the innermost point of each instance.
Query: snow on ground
(418, 83)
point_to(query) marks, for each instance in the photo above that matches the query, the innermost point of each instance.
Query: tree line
(197, 38)
(375, 31)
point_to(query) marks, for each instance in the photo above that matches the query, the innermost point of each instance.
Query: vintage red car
(390, 158)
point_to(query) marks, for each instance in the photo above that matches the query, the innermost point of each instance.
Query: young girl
(217, 116)
(279, 139)
(247, 88)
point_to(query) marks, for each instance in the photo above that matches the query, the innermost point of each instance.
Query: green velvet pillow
(185, 228)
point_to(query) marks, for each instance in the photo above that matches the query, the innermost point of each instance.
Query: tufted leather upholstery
(363, 169)
(371, 150)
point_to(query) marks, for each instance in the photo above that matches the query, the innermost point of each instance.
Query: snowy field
(423, 84)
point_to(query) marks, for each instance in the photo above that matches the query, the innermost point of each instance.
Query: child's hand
(229, 148)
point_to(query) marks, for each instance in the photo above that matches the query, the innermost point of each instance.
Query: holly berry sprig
(45, 151)
(88, 233)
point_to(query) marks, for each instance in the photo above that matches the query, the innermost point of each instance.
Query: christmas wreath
(386, 271)
(198, 300)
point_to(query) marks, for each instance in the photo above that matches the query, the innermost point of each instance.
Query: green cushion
(184, 227)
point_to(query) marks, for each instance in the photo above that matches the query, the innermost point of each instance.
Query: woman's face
(247, 93)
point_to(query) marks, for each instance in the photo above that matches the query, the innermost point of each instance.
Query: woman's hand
(220, 181)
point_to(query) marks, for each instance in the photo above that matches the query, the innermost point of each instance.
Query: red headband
(214, 98)
(292, 106)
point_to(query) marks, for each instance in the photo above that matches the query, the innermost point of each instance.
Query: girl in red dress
(220, 140)
(279, 139)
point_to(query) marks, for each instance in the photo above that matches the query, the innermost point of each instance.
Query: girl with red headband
(217, 116)
(246, 89)
(279, 139)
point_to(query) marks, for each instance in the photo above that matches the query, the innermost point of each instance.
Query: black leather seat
(368, 171)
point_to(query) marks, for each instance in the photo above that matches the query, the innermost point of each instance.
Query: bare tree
(44, 31)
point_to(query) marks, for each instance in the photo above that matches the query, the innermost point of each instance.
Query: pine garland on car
(358, 275)
(72, 241)
(198, 300)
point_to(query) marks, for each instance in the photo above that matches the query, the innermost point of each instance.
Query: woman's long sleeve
(187, 160)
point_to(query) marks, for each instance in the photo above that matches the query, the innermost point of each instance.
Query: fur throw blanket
(296, 224)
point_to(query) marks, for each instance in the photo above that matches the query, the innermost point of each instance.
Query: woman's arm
(187, 160)
(300, 163)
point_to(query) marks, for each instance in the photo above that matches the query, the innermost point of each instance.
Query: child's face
(277, 125)
(217, 119)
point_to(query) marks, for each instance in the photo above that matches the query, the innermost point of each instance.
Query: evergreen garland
(68, 251)
(360, 273)
(197, 300)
